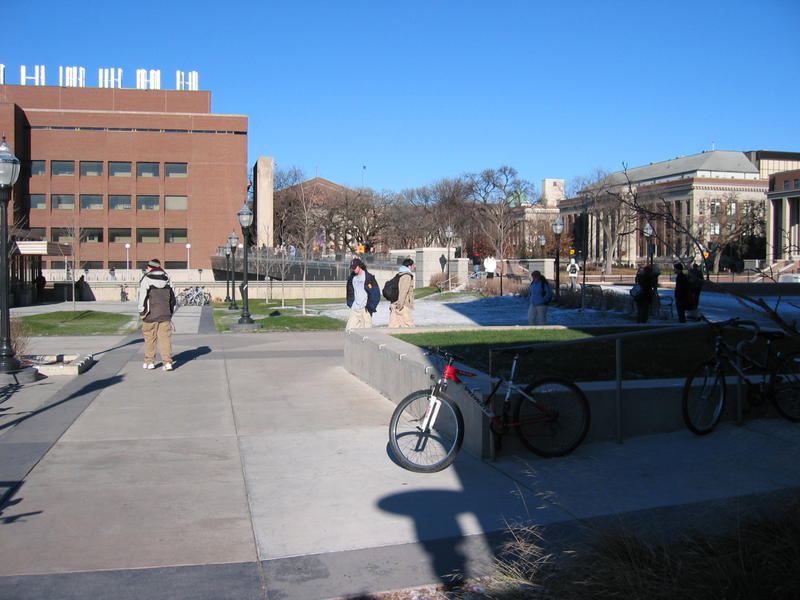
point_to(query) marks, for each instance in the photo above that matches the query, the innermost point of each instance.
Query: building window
(787, 185)
(714, 207)
(91, 235)
(147, 236)
(117, 264)
(142, 264)
(146, 202)
(62, 167)
(175, 236)
(37, 167)
(37, 201)
(176, 202)
(91, 202)
(37, 233)
(119, 236)
(731, 209)
(119, 169)
(91, 168)
(146, 169)
(63, 201)
(715, 228)
(119, 202)
(797, 184)
(91, 264)
(61, 235)
(175, 264)
(176, 169)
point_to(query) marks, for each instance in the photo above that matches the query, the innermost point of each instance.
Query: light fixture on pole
(245, 216)
(127, 256)
(558, 229)
(188, 255)
(9, 171)
(227, 273)
(542, 243)
(233, 242)
(448, 233)
(648, 232)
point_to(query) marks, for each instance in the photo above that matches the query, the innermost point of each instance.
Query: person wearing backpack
(363, 295)
(540, 293)
(156, 305)
(402, 307)
(572, 271)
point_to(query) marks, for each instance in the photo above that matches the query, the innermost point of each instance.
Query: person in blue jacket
(363, 295)
(540, 293)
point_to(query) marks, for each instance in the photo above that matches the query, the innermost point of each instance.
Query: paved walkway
(258, 469)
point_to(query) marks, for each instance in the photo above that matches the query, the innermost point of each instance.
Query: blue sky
(419, 90)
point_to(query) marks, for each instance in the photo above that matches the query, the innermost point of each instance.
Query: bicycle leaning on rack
(769, 376)
(426, 430)
(193, 296)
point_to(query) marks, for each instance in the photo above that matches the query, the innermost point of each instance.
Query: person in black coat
(648, 281)
(683, 293)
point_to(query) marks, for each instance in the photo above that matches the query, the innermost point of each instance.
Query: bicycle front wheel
(426, 433)
(785, 386)
(703, 398)
(552, 418)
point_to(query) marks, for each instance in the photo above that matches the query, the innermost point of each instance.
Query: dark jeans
(642, 310)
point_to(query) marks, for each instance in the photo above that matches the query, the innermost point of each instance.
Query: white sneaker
(148, 366)
(167, 366)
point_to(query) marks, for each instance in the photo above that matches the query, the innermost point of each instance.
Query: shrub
(20, 337)
(439, 281)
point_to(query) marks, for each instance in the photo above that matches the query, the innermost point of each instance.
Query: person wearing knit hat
(156, 305)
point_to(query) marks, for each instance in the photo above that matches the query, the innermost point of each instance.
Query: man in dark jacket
(156, 305)
(363, 295)
(683, 293)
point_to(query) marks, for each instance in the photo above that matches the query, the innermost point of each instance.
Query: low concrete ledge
(396, 368)
(62, 364)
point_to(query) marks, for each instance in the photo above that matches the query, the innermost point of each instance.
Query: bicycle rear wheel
(432, 449)
(785, 386)
(554, 420)
(704, 397)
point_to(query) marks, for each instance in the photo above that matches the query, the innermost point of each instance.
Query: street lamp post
(233, 242)
(448, 233)
(127, 256)
(558, 229)
(188, 257)
(9, 171)
(245, 216)
(542, 243)
(647, 230)
(227, 273)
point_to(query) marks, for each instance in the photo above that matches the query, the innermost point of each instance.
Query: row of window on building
(787, 185)
(115, 202)
(111, 264)
(96, 168)
(115, 235)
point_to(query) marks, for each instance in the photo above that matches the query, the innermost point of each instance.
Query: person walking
(683, 293)
(540, 293)
(572, 271)
(695, 277)
(156, 305)
(363, 295)
(647, 282)
(400, 312)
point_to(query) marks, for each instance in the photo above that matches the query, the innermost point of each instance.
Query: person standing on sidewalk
(156, 305)
(400, 311)
(540, 293)
(683, 292)
(363, 295)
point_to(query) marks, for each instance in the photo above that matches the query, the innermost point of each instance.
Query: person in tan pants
(156, 305)
(401, 312)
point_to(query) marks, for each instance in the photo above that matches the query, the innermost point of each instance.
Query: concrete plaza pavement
(259, 469)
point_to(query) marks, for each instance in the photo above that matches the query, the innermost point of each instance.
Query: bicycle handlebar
(735, 322)
(445, 353)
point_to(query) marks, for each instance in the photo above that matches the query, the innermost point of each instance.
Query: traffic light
(572, 251)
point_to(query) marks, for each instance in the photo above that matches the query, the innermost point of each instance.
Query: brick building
(104, 168)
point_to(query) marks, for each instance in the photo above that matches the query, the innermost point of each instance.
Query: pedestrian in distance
(572, 271)
(156, 306)
(695, 277)
(363, 295)
(647, 281)
(683, 293)
(401, 311)
(540, 293)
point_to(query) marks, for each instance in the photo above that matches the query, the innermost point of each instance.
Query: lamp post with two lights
(245, 216)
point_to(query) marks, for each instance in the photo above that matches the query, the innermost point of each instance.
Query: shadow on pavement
(187, 355)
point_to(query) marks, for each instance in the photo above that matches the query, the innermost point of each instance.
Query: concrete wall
(396, 368)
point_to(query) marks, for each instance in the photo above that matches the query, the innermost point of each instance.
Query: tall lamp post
(188, 257)
(647, 230)
(227, 273)
(233, 242)
(127, 256)
(9, 171)
(448, 233)
(245, 216)
(558, 229)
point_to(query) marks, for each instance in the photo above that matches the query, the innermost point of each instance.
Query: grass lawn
(274, 318)
(583, 354)
(80, 322)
